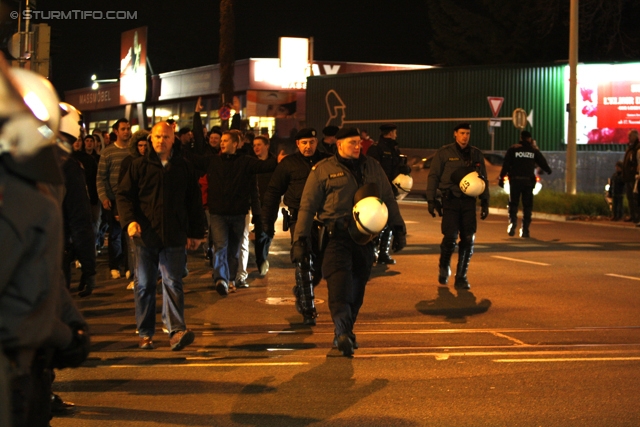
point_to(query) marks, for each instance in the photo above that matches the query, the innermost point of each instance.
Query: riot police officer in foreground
(458, 172)
(330, 194)
(519, 165)
(288, 179)
(386, 152)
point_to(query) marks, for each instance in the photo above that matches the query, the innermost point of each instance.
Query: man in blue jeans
(160, 206)
(231, 176)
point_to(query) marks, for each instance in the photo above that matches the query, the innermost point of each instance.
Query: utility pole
(573, 83)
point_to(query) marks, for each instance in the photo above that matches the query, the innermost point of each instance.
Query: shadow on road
(455, 309)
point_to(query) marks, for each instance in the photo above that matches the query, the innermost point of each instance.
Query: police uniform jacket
(165, 201)
(520, 163)
(330, 189)
(288, 179)
(446, 161)
(30, 274)
(386, 152)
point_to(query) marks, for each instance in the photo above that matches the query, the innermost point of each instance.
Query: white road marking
(622, 277)
(630, 244)
(569, 359)
(515, 340)
(584, 245)
(520, 260)
(528, 245)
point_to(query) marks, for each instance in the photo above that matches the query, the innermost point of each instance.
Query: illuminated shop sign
(608, 104)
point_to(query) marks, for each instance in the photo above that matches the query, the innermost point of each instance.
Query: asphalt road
(548, 336)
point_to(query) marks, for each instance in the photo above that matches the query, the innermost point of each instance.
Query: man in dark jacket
(288, 180)
(519, 165)
(160, 206)
(386, 152)
(231, 178)
(329, 194)
(458, 210)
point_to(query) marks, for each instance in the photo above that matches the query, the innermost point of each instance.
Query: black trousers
(519, 190)
(458, 217)
(346, 268)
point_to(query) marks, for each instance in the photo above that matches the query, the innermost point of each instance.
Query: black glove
(438, 205)
(76, 352)
(300, 251)
(399, 238)
(484, 210)
(501, 181)
(404, 169)
(432, 207)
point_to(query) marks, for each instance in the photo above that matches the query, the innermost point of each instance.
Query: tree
(469, 32)
(226, 54)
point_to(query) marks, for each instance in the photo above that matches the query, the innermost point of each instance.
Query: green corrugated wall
(371, 99)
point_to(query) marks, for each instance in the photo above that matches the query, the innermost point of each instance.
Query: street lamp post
(573, 82)
(96, 82)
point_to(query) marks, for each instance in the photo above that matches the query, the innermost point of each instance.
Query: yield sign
(495, 102)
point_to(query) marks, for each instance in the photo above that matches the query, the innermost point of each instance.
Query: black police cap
(306, 133)
(388, 127)
(330, 130)
(347, 133)
(462, 126)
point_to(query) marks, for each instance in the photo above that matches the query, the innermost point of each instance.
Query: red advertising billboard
(608, 103)
(133, 65)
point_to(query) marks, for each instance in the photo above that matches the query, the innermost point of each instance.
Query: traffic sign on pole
(495, 102)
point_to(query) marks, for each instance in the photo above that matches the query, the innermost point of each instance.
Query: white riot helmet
(472, 184)
(403, 184)
(33, 124)
(71, 124)
(370, 215)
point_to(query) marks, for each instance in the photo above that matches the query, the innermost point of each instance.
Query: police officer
(449, 166)
(328, 143)
(329, 193)
(288, 179)
(386, 152)
(519, 165)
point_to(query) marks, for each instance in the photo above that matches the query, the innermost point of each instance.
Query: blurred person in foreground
(40, 327)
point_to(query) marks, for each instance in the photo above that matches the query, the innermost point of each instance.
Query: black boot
(89, 285)
(385, 245)
(447, 247)
(304, 294)
(464, 257)
(524, 231)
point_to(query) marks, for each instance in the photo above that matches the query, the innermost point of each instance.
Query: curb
(548, 217)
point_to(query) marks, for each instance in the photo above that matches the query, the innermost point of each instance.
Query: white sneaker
(264, 268)
(130, 285)
(115, 274)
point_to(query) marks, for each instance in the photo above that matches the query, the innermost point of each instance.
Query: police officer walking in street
(330, 193)
(386, 152)
(458, 172)
(519, 166)
(288, 179)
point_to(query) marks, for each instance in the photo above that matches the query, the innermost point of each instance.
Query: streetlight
(96, 82)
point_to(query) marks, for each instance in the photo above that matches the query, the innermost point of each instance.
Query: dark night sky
(185, 34)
